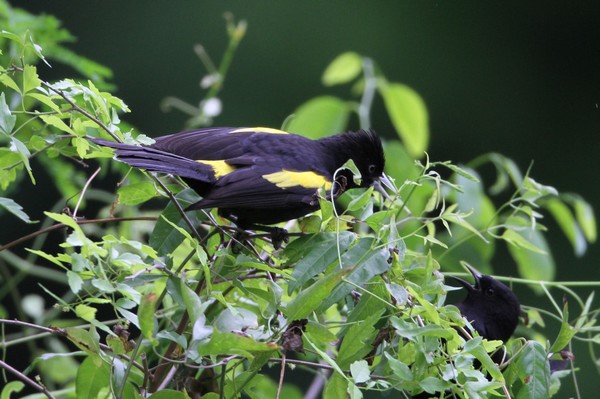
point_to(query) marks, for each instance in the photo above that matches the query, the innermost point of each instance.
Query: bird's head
(365, 149)
(491, 306)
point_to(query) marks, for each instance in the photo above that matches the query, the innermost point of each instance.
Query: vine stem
(366, 102)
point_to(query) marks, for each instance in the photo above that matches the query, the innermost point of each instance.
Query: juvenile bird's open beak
(476, 276)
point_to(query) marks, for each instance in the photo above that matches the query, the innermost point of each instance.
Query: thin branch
(27, 380)
(281, 375)
(63, 333)
(59, 226)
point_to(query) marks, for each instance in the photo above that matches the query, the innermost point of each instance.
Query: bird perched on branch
(490, 306)
(259, 176)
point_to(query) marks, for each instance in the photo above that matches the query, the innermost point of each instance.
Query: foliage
(152, 300)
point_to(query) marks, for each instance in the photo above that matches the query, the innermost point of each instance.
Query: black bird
(490, 306)
(258, 176)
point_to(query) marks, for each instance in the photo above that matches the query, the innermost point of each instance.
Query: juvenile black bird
(490, 306)
(258, 176)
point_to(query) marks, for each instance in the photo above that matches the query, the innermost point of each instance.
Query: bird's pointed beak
(476, 275)
(466, 284)
(383, 184)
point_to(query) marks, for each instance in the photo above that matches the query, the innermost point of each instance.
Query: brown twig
(281, 375)
(63, 333)
(59, 226)
(27, 380)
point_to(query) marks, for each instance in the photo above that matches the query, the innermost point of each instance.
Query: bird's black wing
(220, 143)
(260, 187)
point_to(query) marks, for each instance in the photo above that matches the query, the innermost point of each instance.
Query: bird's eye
(489, 291)
(372, 168)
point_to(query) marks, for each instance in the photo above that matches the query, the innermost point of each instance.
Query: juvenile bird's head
(490, 306)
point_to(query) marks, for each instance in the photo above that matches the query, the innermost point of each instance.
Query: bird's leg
(278, 234)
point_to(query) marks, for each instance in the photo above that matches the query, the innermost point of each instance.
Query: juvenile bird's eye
(490, 291)
(372, 168)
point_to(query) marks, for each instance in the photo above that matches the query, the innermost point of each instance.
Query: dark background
(519, 78)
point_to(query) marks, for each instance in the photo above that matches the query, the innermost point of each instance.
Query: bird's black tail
(156, 160)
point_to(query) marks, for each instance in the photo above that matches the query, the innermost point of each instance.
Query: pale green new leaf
(137, 193)
(409, 116)
(342, 69)
(320, 117)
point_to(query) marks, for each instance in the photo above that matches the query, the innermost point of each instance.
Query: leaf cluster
(181, 305)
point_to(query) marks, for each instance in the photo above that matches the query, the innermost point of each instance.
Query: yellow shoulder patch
(287, 179)
(258, 130)
(220, 168)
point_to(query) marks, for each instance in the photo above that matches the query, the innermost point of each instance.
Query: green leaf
(476, 347)
(9, 82)
(58, 123)
(320, 117)
(535, 264)
(342, 69)
(75, 281)
(370, 303)
(44, 99)
(432, 385)
(464, 172)
(30, 78)
(360, 371)
(311, 298)
(506, 169)
(10, 388)
(192, 302)
(24, 154)
(517, 239)
(7, 119)
(360, 201)
(85, 312)
(164, 238)
(409, 116)
(584, 213)
(534, 371)
(314, 254)
(86, 341)
(137, 193)
(565, 334)
(91, 379)
(169, 394)
(335, 388)
(565, 219)
(411, 331)
(364, 262)
(401, 370)
(356, 343)
(230, 343)
(16, 209)
(146, 316)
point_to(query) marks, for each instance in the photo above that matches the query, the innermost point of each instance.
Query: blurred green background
(519, 78)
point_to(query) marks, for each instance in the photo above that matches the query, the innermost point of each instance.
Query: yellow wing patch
(258, 130)
(220, 168)
(287, 179)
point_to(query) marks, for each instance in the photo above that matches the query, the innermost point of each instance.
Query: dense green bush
(163, 300)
